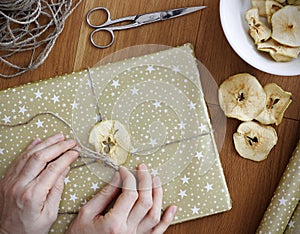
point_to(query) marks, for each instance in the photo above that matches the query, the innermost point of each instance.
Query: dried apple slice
(286, 26)
(278, 101)
(260, 5)
(111, 138)
(293, 2)
(271, 7)
(279, 52)
(257, 29)
(241, 96)
(254, 141)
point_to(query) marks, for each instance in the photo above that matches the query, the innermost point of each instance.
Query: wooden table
(251, 184)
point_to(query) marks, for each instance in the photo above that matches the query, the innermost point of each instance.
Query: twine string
(84, 151)
(29, 28)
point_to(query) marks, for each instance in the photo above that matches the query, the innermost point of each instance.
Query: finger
(53, 199)
(101, 200)
(46, 143)
(144, 202)
(37, 162)
(128, 196)
(166, 220)
(15, 167)
(48, 178)
(154, 215)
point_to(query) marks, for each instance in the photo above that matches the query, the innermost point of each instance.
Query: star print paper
(158, 98)
(283, 213)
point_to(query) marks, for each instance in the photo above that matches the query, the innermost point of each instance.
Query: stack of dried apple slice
(242, 97)
(280, 35)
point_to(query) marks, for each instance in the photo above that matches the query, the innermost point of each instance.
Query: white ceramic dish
(236, 31)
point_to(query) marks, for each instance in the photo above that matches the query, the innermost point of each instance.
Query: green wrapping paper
(158, 97)
(282, 215)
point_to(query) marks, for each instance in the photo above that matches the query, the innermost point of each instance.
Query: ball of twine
(29, 28)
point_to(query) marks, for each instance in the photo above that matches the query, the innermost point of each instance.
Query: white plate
(236, 31)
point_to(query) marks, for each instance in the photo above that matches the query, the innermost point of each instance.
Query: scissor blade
(164, 15)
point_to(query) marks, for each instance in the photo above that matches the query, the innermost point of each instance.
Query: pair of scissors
(133, 21)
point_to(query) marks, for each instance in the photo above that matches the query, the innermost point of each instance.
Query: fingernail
(156, 182)
(143, 167)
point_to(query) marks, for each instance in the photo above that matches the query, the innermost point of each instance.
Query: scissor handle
(110, 31)
(106, 23)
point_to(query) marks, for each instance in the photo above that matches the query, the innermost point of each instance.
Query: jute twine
(29, 28)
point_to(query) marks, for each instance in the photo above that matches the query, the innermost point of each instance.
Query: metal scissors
(133, 21)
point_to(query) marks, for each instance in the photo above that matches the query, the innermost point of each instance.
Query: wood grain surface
(251, 184)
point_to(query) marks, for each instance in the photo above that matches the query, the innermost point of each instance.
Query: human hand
(31, 189)
(135, 210)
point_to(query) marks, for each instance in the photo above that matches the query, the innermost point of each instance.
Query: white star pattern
(199, 155)
(1, 151)
(203, 128)
(182, 125)
(94, 186)
(208, 187)
(176, 69)
(134, 91)
(6, 119)
(195, 210)
(22, 110)
(185, 180)
(154, 172)
(282, 201)
(153, 142)
(73, 197)
(150, 68)
(67, 180)
(74, 105)
(39, 124)
(291, 224)
(38, 94)
(55, 99)
(115, 83)
(182, 193)
(192, 106)
(157, 104)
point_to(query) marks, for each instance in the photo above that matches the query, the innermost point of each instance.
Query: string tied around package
(29, 28)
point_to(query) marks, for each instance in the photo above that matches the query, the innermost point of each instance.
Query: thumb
(102, 199)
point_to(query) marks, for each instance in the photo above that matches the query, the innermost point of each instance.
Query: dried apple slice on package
(111, 138)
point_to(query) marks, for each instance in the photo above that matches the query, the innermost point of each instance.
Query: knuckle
(38, 156)
(52, 167)
(133, 195)
(26, 197)
(84, 212)
(25, 155)
(146, 203)
(153, 218)
(114, 229)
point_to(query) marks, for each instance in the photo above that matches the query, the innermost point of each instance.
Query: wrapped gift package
(283, 213)
(158, 97)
